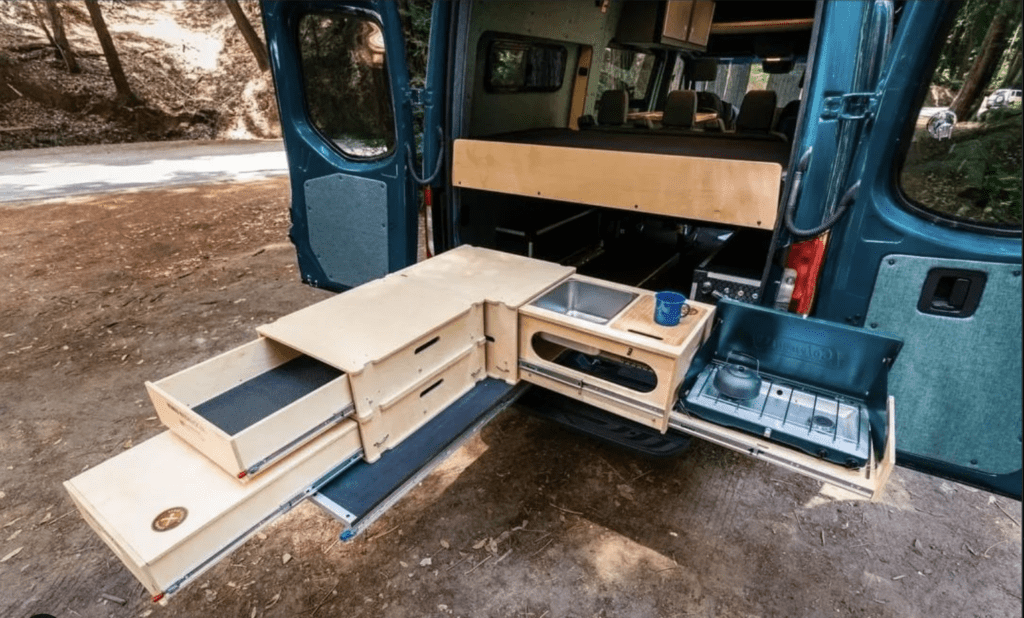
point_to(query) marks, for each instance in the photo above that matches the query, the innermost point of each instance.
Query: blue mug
(668, 307)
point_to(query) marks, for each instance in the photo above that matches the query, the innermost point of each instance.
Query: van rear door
(343, 93)
(930, 250)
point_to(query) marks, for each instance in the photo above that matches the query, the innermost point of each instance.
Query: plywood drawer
(627, 364)
(253, 405)
(383, 380)
(408, 410)
(170, 513)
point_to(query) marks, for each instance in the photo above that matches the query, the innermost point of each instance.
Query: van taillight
(806, 258)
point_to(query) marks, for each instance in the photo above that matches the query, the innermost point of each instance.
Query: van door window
(346, 83)
(964, 160)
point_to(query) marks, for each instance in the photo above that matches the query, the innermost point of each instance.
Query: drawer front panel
(379, 382)
(409, 410)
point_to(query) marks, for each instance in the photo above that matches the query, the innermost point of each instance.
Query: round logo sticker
(171, 518)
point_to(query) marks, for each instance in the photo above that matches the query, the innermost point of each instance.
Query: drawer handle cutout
(427, 345)
(431, 387)
(638, 332)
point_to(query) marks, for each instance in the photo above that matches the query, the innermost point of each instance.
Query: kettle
(738, 381)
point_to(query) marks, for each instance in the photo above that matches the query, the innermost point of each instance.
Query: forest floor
(187, 61)
(100, 293)
(975, 174)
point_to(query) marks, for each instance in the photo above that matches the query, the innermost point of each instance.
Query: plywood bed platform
(667, 177)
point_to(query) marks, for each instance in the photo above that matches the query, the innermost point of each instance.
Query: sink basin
(586, 301)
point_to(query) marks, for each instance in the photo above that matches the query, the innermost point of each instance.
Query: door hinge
(851, 106)
(418, 97)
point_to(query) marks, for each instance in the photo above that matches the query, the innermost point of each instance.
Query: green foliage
(416, 28)
(964, 42)
(346, 82)
(999, 114)
(976, 175)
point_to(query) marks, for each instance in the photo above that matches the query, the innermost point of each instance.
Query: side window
(520, 66)
(622, 69)
(346, 85)
(964, 161)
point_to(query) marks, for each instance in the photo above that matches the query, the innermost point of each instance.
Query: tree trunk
(986, 63)
(60, 37)
(124, 91)
(1012, 78)
(253, 39)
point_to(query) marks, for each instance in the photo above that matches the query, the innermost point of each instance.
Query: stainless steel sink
(586, 301)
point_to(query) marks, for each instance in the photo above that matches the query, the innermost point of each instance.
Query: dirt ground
(101, 293)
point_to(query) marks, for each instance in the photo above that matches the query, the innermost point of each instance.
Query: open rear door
(930, 250)
(343, 93)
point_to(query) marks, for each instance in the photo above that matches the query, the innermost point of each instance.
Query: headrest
(680, 109)
(612, 108)
(703, 69)
(757, 111)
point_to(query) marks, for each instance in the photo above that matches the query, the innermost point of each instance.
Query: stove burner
(823, 422)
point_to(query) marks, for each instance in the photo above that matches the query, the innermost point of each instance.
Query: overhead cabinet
(682, 24)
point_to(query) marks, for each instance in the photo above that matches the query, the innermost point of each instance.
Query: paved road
(45, 173)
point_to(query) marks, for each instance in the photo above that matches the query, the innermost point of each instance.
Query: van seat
(680, 110)
(612, 108)
(757, 112)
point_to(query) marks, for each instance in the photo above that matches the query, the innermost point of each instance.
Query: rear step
(365, 491)
(595, 422)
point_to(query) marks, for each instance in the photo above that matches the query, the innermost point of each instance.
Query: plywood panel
(732, 192)
(677, 21)
(504, 282)
(409, 410)
(367, 323)
(639, 318)
(123, 498)
(487, 275)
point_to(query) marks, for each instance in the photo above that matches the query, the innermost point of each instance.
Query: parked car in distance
(1004, 97)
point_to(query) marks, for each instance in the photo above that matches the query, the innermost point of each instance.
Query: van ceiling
(734, 11)
(749, 44)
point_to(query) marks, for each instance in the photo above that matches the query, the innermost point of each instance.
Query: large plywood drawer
(251, 406)
(408, 410)
(169, 513)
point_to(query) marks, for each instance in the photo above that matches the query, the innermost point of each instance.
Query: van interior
(633, 140)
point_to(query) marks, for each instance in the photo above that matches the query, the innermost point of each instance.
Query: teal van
(773, 155)
(847, 230)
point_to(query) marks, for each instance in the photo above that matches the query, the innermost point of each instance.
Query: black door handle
(952, 292)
